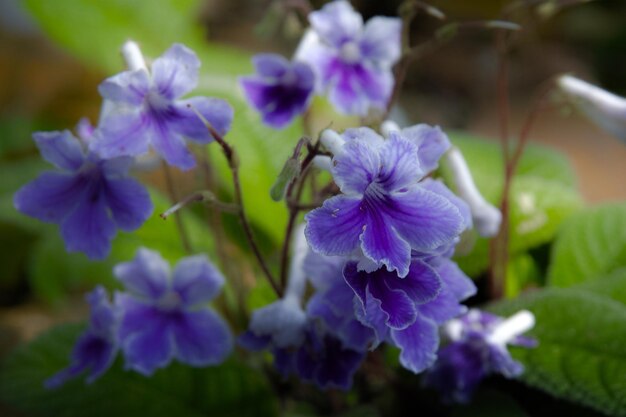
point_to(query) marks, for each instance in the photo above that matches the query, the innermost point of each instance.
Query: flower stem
(171, 190)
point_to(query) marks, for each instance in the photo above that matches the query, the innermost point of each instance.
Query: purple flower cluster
(339, 56)
(476, 349)
(91, 194)
(160, 317)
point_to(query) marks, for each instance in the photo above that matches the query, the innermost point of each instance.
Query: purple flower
(96, 348)
(147, 110)
(168, 318)
(383, 210)
(90, 198)
(477, 349)
(353, 61)
(280, 90)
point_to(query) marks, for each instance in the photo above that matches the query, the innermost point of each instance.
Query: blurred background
(47, 86)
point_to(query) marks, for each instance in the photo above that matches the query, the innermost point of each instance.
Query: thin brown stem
(171, 190)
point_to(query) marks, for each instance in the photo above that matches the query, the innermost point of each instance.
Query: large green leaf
(230, 389)
(581, 355)
(543, 194)
(589, 245)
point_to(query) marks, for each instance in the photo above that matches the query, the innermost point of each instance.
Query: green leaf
(589, 245)
(543, 194)
(522, 272)
(581, 355)
(230, 389)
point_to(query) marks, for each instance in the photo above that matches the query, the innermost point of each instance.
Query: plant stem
(171, 190)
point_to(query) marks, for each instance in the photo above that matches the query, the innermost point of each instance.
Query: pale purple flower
(166, 315)
(279, 90)
(476, 350)
(88, 197)
(146, 109)
(383, 210)
(97, 347)
(353, 61)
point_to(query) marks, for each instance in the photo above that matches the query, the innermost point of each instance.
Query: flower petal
(459, 284)
(145, 336)
(438, 187)
(336, 23)
(418, 344)
(121, 134)
(202, 338)
(129, 202)
(426, 220)
(381, 40)
(196, 280)
(176, 71)
(145, 276)
(89, 228)
(400, 166)
(396, 304)
(128, 87)
(334, 228)
(51, 196)
(270, 65)
(431, 141)
(355, 167)
(61, 149)
(422, 284)
(216, 111)
(382, 243)
(172, 147)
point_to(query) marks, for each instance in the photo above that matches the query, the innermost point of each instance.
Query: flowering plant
(386, 256)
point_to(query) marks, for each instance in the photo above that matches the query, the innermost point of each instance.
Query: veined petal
(425, 219)
(172, 147)
(176, 71)
(196, 280)
(438, 187)
(382, 243)
(51, 196)
(381, 40)
(422, 284)
(334, 228)
(400, 166)
(61, 149)
(396, 304)
(459, 284)
(216, 111)
(122, 134)
(418, 344)
(128, 87)
(89, 228)
(145, 276)
(355, 167)
(129, 202)
(201, 337)
(336, 23)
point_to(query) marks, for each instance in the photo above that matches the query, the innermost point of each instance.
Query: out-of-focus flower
(89, 197)
(279, 90)
(383, 210)
(144, 108)
(478, 348)
(97, 347)
(353, 61)
(166, 319)
(606, 109)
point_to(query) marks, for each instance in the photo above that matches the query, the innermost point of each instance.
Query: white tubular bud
(332, 141)
(297, 277)
(486, 217)
(453, 330)
(512, 327)
(133, 56)
(607, 110)
(389, 126)
(323, 162)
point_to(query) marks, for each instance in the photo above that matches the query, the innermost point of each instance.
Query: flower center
(350, 52)
(171, 300)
